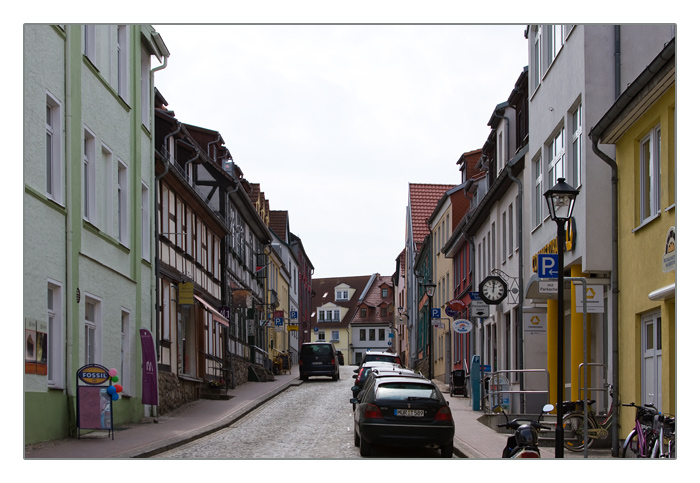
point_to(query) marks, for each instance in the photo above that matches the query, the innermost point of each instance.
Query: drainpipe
(521, 339)
(615, 295)
(213, 142)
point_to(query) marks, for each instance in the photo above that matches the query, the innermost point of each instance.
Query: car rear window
(394, 359)
(404, 391)
(317, 350)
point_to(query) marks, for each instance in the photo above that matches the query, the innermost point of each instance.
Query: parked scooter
(523, 443)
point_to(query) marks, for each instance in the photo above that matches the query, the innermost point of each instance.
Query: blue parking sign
(547, 265)
(435, 314)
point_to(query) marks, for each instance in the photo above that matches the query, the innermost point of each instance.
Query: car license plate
(411, 413)
(316, 363)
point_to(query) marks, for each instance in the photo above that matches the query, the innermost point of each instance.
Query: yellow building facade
(644, 134)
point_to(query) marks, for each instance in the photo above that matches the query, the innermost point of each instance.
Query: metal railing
(493, 394)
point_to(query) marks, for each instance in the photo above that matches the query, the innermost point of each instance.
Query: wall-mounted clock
(493, 290)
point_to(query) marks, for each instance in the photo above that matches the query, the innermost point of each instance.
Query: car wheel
(357, 439)
(304, 378)
(365, 447)
(447, 450)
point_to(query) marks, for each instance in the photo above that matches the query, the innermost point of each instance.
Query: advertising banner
(149, 381)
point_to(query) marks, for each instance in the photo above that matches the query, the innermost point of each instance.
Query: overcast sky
(334, 121)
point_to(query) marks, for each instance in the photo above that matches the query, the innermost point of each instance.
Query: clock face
(493, 290)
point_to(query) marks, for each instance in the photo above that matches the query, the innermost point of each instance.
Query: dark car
(380, 356)
(373, 370)
(318, 359)
(403, 411)
(341, 358)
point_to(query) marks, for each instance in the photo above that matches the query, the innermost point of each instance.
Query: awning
(215, 313)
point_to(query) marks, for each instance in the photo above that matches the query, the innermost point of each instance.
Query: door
(651, 359)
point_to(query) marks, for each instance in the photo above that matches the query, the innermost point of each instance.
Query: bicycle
(573, 423)
(640, 442)
(664, 429)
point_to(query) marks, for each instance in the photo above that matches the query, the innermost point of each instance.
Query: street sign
(279, 321)
(594, 299)
(293, 314)
(438, 324)
(474, 296)
(547, 265)
(547, 286)
(435, 314)
(479, 308)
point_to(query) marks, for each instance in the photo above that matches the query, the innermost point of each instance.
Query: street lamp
(430, 291)
(560, 201)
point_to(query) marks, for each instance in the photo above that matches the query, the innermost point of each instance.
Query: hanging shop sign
(462, 326)
(594, 299)
(185, 293)
(454, 307)
(669, 259)
(535, 322)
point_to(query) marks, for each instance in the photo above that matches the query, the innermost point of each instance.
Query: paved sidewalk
(148, 438)
(475, 440)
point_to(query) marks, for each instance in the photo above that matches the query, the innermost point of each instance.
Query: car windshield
(406, 391)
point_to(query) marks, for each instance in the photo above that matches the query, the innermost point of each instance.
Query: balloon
(115, 379)
(118, 387)
(111, 390)
(115, 396)
(112, 372)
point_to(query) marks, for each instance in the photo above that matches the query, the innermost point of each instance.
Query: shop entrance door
(651, 359)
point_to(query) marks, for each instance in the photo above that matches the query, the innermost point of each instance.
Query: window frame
(54, 153)
(94, 328)
(122, 202)
(55, 373)
(650, 171)
(577, 143)
(89, 180)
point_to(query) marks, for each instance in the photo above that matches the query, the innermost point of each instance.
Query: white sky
(334, 121)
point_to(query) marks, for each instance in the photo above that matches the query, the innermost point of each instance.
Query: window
(89, 210)
(125, 350)
(577, 146)
(537, 57)
(145, 88)
(384, 312)
(53, 149)
(556, 158)
(363, 312)
(537, 199)
(321, 335)
(54, 316)
(335, 336)
(122, 197)
(649, 169)
(504, 237)
(92, 331)
(385, 292)
(381, 333)
(371, 334)
(145, 224)
(90, 43)
(510, 229)
(342, 295)
(107, 203)
(363, 334)
(556, 40)
(122, 62)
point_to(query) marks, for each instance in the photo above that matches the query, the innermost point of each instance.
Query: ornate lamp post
(560, 201)
(430, 291)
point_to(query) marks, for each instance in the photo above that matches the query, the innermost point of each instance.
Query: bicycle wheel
(573, 425)
(631, 447)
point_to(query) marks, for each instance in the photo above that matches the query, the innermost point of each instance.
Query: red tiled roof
(374, 302)
(423, 199)
(279, 223)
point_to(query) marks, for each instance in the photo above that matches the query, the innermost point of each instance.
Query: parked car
(365, 370)
(318, 359)
(341, 358)
(403, 411)
(373, 370)
(381, 356)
